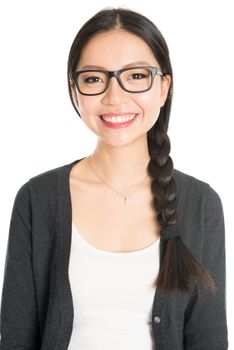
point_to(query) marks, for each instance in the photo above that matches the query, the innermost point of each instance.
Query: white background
(40, 129)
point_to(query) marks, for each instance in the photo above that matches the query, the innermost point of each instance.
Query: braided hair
(179, 269)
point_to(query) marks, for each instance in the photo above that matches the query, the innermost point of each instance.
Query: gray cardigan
(36, 306)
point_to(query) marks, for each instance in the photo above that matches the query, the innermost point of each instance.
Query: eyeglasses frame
(153, 71)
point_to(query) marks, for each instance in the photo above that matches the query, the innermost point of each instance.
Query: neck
(122, 167)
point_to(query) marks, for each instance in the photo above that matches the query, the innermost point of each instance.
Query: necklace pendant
(126, 200)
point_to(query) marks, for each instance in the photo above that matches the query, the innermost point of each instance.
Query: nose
(114, 93)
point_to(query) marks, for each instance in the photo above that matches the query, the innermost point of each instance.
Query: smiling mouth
(123, 118)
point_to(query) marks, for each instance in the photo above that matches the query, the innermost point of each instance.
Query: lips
(114, 120)
(119, 118)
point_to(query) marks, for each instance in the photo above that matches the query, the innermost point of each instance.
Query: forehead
(115, 49)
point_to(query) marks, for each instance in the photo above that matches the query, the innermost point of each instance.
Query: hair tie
(170, 231)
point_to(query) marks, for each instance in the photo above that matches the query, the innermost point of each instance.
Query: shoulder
(185, 179)
(195, 189)
(201, 215)
(46, 183)
(200, 208)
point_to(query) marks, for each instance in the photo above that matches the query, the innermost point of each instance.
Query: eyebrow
(132, 64)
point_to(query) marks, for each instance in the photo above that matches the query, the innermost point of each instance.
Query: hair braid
(160, 168)
(179, 268)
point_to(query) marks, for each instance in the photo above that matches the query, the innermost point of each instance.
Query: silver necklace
(126, 198)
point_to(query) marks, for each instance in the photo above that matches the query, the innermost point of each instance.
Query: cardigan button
(157, 319)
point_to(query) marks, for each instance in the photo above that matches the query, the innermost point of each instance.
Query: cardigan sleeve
(206, 325)
(19, 319)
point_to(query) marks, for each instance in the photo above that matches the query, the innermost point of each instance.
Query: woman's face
(112, 50)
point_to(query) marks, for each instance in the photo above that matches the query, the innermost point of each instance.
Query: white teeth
(119, 119)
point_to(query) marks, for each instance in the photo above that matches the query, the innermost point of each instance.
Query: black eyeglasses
(135, 79)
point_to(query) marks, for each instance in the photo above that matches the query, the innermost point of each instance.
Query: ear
(74, 94)
(165, 86)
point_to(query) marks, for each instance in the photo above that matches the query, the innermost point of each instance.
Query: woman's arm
(205, 319)
(19, 319)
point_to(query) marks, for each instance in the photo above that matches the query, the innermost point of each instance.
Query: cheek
(149, 102)
(88, 104)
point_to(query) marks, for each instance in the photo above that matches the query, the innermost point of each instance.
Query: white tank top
(112, 296)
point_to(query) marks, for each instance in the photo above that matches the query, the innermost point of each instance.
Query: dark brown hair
(179, 268)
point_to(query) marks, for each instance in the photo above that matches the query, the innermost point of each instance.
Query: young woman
(117, 250)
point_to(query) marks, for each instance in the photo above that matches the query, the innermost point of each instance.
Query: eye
(137, 75)
(92, 80)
